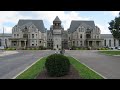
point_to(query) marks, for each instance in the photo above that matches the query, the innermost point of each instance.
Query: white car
(2, 47)
(118, 48)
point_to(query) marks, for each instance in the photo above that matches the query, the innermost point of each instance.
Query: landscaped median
(113, 53)
(34, 70)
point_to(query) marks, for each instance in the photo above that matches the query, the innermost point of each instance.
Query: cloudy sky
(10, 18)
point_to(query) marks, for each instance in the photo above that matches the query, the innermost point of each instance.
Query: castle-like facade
(32, 33)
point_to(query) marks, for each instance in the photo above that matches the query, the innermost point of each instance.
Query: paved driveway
(13, 64)
(108, 66)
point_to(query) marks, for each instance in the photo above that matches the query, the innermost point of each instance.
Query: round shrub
(57, 65)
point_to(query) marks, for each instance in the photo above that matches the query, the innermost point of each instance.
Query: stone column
(88, 43)
(19, 43)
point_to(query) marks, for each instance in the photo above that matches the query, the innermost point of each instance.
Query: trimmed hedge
(57, 65)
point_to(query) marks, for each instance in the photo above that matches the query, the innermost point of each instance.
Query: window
(14, 35)
(105, 42)
(97, 36)
(17, 35)
(36, 44)
(32, 44)
(110, 43)
(81, 43)
(119, 42)
(14, 44)
(32, 35)
(32, 40)
(36, 35)
(69, 38)
(114, 43)
(80, 35)
(40, 41)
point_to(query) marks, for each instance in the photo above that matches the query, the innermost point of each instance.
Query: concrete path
(108, 66)
(5, 53)
(13, 64)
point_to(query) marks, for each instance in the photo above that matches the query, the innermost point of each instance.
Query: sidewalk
(4, 53)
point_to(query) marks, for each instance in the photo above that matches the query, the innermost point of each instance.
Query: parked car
(118, 48)
(2, 47)
(112, 48)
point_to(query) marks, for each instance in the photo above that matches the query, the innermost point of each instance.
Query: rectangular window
(17, 35)
(69, 38)
(104, 42)
(32, 35)
(32, 44)
(119, 42)
(40, 41)
(98, 37)
(110, 43)
(80, 35)
(36, 35)
(114, 42)
(81, 43)
(14, 35)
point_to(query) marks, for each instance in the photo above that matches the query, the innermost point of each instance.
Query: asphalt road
(11, 65)
(108, 66)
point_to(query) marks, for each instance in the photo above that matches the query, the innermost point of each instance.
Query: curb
(26, 68)
(90, 68)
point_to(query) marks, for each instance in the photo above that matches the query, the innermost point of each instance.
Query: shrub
(28, 49)
(57, 65)
(10, 49)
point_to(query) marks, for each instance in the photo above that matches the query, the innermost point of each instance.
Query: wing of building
(29, 34)
(81, 33)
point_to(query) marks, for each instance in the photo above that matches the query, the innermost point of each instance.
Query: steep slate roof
(38, 23)
(106, 36)
(76, 23)
(57, 19)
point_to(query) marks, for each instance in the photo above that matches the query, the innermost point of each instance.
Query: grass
(84, 71)
(33, 71)
(110, 52)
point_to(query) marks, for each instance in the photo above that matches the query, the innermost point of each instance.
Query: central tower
(57, 33)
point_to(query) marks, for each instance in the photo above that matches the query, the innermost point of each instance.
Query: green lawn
(111, 52)
(33, 71)
(84, 71)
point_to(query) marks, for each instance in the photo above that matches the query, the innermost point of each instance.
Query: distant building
(4, 39)
(32, 33)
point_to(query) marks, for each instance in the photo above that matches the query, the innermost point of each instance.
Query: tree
(115, 27)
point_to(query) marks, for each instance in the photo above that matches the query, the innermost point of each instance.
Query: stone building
(28, 33)
(32, 33)
(57, 37)
(84, 34)
(4, 39)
